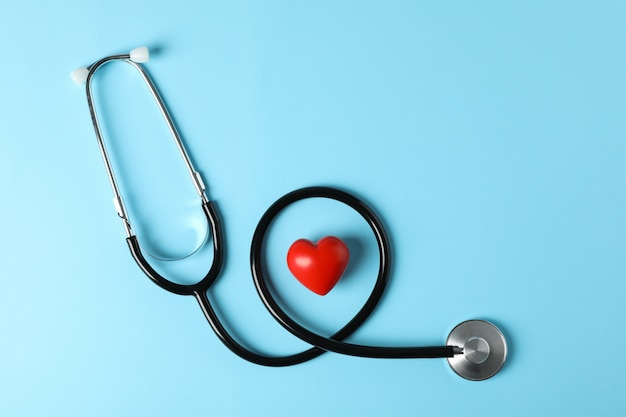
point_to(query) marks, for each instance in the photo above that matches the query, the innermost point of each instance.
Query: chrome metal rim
(484, 350)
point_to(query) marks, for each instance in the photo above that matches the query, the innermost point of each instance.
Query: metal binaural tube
(117, 197)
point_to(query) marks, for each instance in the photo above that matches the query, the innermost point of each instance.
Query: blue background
(490, 137)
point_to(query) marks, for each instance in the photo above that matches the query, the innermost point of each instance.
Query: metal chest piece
(484, 350)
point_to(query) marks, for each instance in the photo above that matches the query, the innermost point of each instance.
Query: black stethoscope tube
(199, 290)
(320, 343)
(247, 354)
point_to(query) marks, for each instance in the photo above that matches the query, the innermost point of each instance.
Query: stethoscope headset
(475, 349)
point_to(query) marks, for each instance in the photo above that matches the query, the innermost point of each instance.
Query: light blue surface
(490, 137)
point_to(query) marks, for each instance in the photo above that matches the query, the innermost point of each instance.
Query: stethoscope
(475, 349)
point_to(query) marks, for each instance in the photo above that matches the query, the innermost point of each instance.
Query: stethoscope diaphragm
(484, 350)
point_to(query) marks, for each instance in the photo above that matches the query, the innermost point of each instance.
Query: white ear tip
(140, 54)
(79, 75)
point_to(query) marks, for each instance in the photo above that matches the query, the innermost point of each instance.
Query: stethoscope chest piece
(484, 350)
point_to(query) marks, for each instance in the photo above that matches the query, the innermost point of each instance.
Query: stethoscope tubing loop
(333, 343)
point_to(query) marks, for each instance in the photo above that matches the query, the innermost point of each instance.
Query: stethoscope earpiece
(140, 55)
(79, 75)
(484, 350)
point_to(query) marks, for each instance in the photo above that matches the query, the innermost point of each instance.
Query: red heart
(318, 267)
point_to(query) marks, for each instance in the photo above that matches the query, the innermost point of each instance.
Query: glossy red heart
(318, 266)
